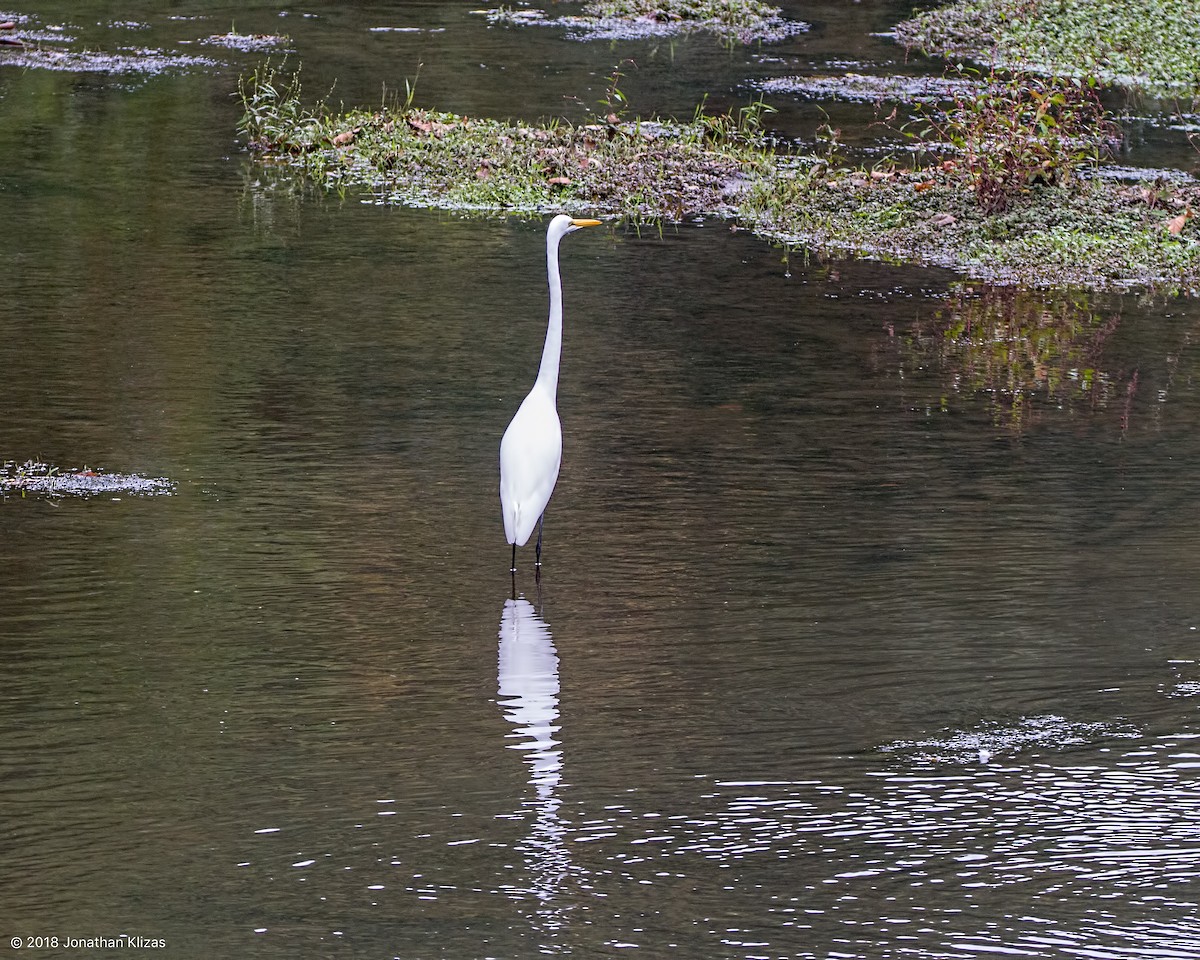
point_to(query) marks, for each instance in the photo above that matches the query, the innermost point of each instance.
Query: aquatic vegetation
(745, 21)
(1088, 233)
(1053, 227)
(1012, 132)
(1154, 48)
(144, 62)
(36, 477)
(866, 88)
(403, 154)
(27, 44)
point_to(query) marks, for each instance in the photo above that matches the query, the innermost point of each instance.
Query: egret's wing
(530, 455)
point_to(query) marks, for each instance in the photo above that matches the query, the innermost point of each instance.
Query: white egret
(531, 450)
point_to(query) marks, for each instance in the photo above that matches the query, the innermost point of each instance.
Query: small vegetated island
(744, 21)
(1003, 178)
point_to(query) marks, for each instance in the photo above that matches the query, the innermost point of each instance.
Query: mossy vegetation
(641, 169)
(1153, 45)
(1090, 233)
(1006, 203)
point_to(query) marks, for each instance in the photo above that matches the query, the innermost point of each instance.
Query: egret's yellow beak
(585, 223)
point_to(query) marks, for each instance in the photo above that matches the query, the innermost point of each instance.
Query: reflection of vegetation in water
(1022, 350)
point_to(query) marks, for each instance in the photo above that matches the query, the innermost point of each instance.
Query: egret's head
(561, 225)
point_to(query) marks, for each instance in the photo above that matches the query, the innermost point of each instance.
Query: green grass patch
(1151, 45)
(1088, 233)
(1054, 228)
(640, 169)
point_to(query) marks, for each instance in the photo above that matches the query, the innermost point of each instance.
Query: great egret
(531, 450)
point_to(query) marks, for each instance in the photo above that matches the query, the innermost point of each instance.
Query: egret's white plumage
(531, 450)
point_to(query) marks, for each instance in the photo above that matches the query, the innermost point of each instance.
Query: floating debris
(990, 739)
(36, 477)
(146, 62)
(406, 30)
(247, 42)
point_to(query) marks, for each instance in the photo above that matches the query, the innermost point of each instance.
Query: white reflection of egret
(528, 681)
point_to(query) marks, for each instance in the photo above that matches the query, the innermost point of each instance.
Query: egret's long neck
(547, 377)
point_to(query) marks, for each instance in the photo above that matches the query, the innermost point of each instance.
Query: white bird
(531, 450)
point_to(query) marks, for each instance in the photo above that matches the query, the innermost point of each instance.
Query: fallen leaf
(343, 138)
(949, 166)
(1176, 224)
(559, 181)
(882, 174)
(943, 219)
(923, 186)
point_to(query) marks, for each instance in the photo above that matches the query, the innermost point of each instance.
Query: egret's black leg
(513, 568)
(537, 558)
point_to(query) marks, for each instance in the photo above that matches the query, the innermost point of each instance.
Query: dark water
(867, 629)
